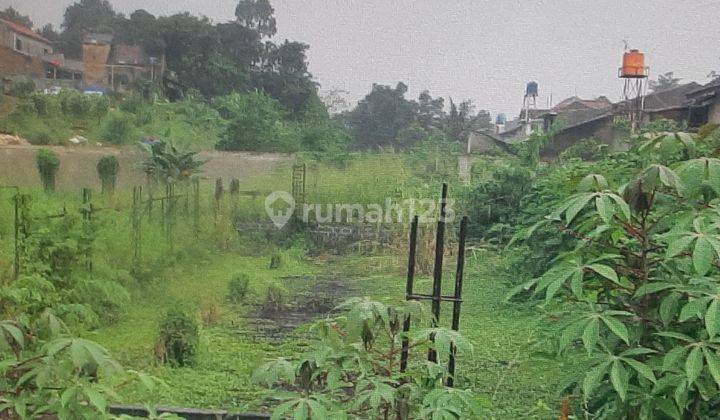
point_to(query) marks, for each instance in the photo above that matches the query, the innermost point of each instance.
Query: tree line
(208, 60)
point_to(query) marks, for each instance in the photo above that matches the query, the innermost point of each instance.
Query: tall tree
(377, 119)
(141, 29)
(431, 112)
(86, 16)
(257, 15)
(49, 33)
(462, 120)
(14, 16)
(664, 81)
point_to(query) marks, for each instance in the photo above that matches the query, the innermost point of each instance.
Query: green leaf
(668, 307)
(702, 256)
(642, 369)
(675, 335)
(617, 327)
(577, 203)
(7, 328)
(570, 333)
(553, 288)
(653, 287)
(576, 284)
(96, 399)
(694, 364)
(672, 358)
(624, 207)
(605, 271)
(712, 318)
(619, 379)
(693, 308)
(713, 363)
(678, 245)
(593, 377)
(591, 334)
(592, 182)
(604, 208)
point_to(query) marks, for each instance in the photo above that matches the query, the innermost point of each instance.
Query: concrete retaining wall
(78, 165)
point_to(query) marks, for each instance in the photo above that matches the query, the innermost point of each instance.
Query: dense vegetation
(593, 280)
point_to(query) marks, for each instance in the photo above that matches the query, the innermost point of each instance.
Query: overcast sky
(473, 49)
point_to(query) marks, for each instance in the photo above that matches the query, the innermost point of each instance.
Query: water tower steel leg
(458, 298)
(437, 272)
(408, 292)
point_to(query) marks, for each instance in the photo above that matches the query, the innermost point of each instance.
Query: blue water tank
(501, 119)
(531, 89)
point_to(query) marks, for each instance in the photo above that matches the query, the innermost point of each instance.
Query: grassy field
(512, 370)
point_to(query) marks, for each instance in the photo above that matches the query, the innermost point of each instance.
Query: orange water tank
(633, 64)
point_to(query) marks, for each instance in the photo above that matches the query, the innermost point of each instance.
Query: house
(20, 51)
(575, 119)
(574, 103)
(486, 143)
(117, 66)
(672, 104)
(25, 53)
(705, 103)
(95, 54)
(23, 40)
(129, 63)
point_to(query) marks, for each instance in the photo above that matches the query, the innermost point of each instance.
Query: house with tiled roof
(575, 103)
(23, 40)
(26, 54)
(117, 66)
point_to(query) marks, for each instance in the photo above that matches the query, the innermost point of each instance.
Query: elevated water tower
(500, 121)
(635, 75)
(530, 100)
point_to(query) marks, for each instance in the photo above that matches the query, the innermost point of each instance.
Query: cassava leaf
(694, 364)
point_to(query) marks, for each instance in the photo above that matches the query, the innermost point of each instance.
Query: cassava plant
(108, 168)
(45, 373)
(353, 369)
(643, 285)
(47, 163)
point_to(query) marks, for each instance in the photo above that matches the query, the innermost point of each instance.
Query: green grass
(512, 367)
(221, 375)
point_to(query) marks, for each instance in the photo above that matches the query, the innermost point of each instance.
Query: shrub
(706, 130)
(77, 104)
(117, 128)
(108, 168)
(256, 124)
(275, 261)
(47, 164)
(41, 103)
(180, 335)
(237, 288)
(132, 104)
(209, 312)
(275, 298)
(21, 87)
(585, 149)
(40, 136)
